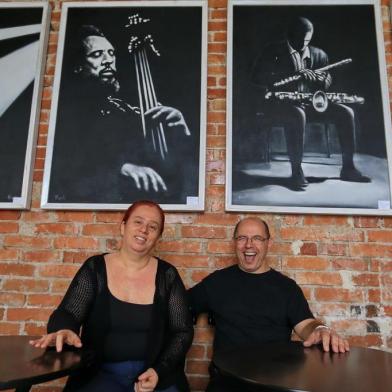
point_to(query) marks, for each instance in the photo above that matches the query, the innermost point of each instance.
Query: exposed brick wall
(343, 263)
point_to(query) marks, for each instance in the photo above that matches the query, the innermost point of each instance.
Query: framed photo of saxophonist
(23, 39)
(307, 108)
(128, 111)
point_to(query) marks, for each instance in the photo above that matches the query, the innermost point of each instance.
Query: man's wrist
(322, 326)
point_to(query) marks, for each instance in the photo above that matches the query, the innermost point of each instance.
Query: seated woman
(131, 309)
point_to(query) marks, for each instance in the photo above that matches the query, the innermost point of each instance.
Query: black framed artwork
(23, 40)
(308, 108)
(128, 111)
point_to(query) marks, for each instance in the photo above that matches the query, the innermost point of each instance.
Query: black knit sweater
(86, 304)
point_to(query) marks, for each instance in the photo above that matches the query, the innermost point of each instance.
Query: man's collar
(305, 54)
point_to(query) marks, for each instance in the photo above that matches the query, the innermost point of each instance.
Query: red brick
(366, 280)
(56, 228)
(218, 14)
(197, 351)
(197, 367)
(217, 26)
(216, 93)
(350, 264)
(329, 294)
(217, 3)
(10, 215)
(187, 261)
(43, 300)
(334, 249)
(9, 328)
(203, 232)
(309, 248)
(8, 254)
(321, 220)
(365, 341)
(101, 229)
(177, 246)
(216, 141)
(60, 285)
(220, 247)
(76, 243)
(12, 299)
(203, 335)
(224, 261)
(77, 257)
(318, 278)
(371, 250)
(9, 227)
(58, 271)
(380, 236)
(35, 216)
(215, 191)
(42, 256)
(110, 217)
(33, 329)
(26, 285)
(198, 383)
(198, 275)
(16, 269)
(28, 314)
(75, 216)
(366, 221)
(24, 241)
(307, 262)
(374, 295)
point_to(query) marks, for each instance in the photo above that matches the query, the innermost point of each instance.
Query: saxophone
(319, 99)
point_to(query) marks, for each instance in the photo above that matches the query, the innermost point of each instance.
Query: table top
(291, 367)
(24, 365)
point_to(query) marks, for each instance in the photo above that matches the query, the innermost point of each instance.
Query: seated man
(294, 56)
(253, 303)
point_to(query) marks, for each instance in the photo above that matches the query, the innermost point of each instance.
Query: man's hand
(312, 331)
(328, 338)
(169, 117)
(58, 339)
(313, 76)
(144, 175)
(147, 381)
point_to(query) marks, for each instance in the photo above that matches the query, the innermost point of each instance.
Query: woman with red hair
(129, 307)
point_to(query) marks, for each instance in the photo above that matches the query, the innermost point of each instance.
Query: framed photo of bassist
(308, 110)
(128, 111)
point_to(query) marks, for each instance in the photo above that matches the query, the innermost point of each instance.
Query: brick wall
(343, 263)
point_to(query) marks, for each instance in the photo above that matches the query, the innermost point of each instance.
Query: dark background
(14, 123)
(342, 31)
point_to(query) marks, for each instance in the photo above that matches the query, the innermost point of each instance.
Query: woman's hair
(147, 203)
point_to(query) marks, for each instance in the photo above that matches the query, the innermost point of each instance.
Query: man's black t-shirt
(250, 308)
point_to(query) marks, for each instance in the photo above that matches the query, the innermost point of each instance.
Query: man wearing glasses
(252, 303)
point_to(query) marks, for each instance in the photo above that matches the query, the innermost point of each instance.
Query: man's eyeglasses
(256, 239)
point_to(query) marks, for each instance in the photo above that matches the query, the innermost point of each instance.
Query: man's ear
(122, 228)
(270, 243)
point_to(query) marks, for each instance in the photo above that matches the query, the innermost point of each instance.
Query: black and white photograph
(308, 109)
(23, 41)
(128, 111)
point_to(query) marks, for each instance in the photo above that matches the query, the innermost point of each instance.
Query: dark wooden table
(291, 367)
(22, 365)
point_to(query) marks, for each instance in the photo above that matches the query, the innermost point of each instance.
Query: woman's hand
(58, 339)
(147, 381)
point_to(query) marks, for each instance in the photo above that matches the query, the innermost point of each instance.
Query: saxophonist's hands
(313, 76)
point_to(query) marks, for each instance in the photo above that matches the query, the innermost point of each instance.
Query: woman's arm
(74, 307)
(180, 329)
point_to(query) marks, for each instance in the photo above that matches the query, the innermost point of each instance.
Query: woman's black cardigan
(86, 304)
